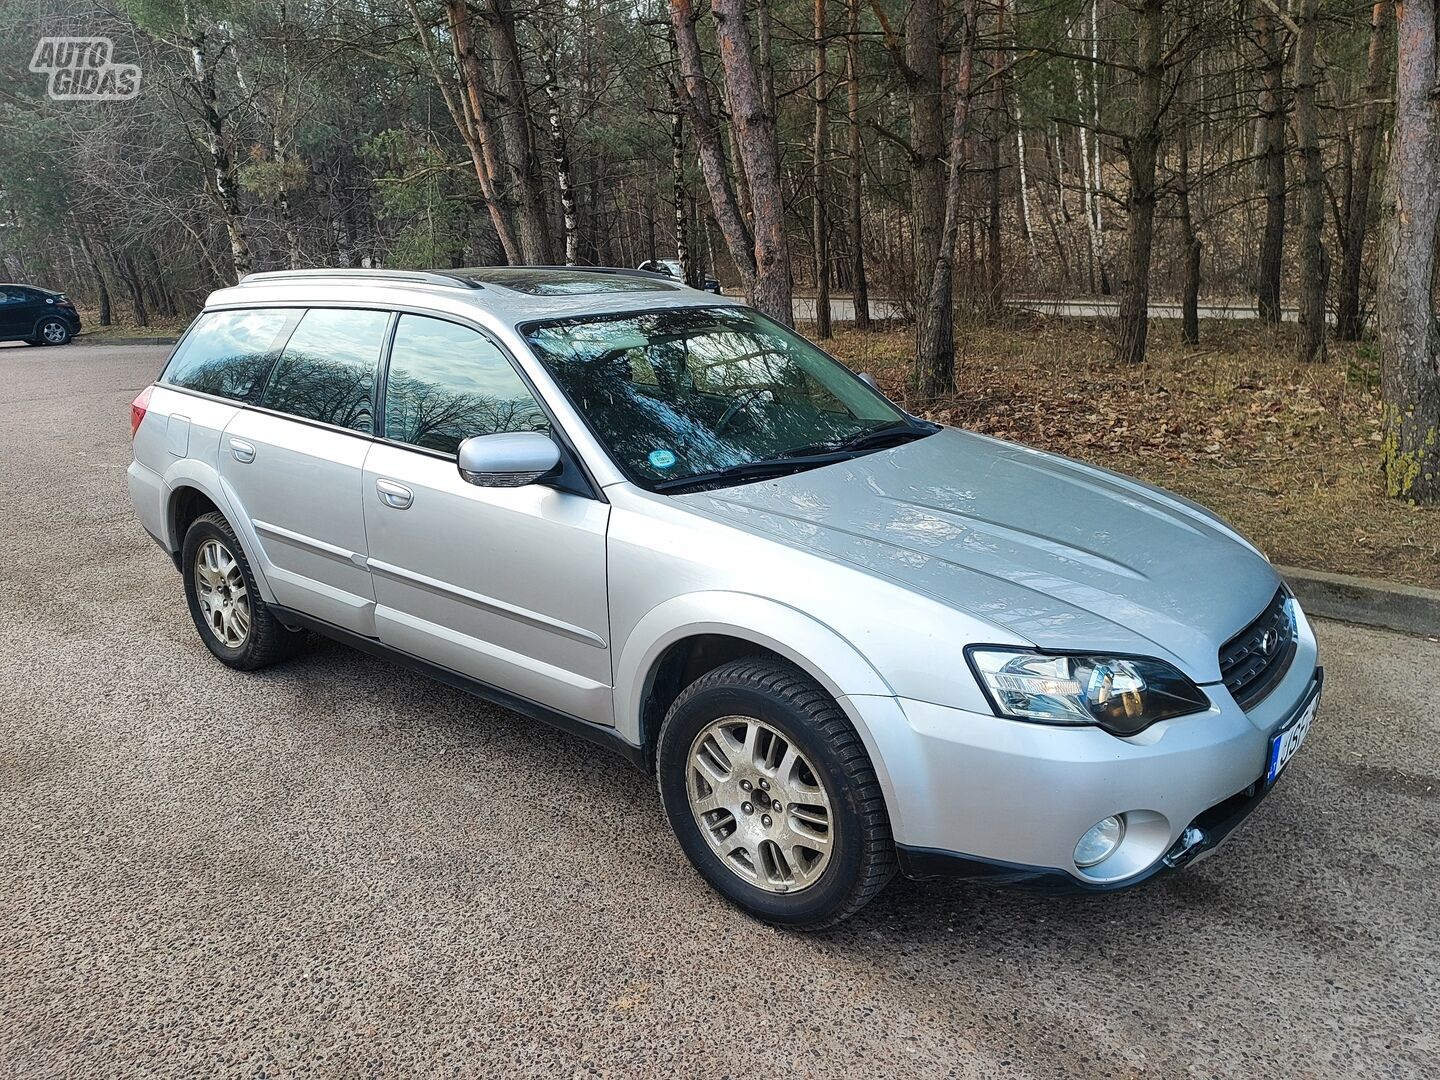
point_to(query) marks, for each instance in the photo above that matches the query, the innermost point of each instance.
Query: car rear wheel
(52, 332)
(234, 622)
(772, 795)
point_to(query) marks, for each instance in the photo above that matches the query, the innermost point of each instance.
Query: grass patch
(1287, 452)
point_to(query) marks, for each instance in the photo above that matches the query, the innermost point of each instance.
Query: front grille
(1254, 660)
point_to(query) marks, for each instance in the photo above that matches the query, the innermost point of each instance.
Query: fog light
(1100, 842)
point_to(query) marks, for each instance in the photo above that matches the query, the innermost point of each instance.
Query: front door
(18, 312)
(505, 585)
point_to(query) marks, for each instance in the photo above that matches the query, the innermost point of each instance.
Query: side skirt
(598, 734)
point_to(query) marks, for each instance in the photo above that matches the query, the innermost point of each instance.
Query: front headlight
(1123, 695)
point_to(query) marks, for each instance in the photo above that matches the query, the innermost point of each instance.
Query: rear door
(294, 463)
(506, 585)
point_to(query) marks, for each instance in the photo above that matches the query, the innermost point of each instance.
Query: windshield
(690, 392)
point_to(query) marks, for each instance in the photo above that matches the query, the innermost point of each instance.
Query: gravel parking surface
(340, 869)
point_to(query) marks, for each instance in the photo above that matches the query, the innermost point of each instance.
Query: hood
(1063, 555)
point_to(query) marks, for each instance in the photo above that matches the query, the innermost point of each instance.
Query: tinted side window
(229, 353)
(447, 382)
(327, 371)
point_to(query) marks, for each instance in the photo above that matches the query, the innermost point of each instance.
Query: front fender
(817, 649)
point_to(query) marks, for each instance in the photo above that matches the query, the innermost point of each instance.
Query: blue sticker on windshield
(661, 459)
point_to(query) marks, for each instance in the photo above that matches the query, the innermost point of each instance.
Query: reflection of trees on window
(229, 353)
(425, 413)
(709, 387)
(238, 377)
(324, 389)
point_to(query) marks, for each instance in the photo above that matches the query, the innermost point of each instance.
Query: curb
(83, 340)
(1370, 602)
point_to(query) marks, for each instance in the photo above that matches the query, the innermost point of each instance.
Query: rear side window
(229, 353)
(447, 382)
(327, 370)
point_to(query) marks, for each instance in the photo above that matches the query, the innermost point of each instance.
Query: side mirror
(868, 379)
(511, 459)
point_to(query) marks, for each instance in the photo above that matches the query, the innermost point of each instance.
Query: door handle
(396, 496)
(242, 451)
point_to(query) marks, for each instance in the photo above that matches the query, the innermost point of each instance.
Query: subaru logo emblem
(1268, 642)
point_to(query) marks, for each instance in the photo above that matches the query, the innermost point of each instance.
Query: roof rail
(419, 277)
(622, 271)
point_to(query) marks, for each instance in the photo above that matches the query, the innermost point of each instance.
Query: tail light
(64, 301)
(138, 408)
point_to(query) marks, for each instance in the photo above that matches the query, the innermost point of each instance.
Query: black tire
(53, 331)
(268, 642)
(782, 696)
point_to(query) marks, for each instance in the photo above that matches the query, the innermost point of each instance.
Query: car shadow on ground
(511, 743)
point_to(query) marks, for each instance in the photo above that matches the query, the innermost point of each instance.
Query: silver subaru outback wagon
(846, 641)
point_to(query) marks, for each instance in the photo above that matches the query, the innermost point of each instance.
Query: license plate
(1287, 740)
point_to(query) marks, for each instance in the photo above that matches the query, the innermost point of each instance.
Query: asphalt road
(338, 869)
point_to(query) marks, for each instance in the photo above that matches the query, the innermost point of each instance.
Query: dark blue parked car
(36, 316)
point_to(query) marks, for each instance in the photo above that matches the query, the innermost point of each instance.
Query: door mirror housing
(511, 459)
(867, 379)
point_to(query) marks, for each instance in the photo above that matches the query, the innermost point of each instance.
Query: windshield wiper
(754, 470)
(868, 439)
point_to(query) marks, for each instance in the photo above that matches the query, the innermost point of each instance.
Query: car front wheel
(772, 795)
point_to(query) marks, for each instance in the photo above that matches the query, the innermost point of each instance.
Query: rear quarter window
(229, 353)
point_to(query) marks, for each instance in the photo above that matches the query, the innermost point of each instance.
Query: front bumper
(980, 796)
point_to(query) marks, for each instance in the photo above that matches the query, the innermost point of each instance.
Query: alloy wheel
(53, 333)
(759, 804)
(220, 589)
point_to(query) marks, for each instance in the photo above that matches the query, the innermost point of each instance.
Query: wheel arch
(46, 316)
(681, 639)
(196, 489)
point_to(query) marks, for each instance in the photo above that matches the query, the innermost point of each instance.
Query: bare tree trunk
(759, 153)
(131, 276)
(1405, 299)
(935, 331)
(689, 272)
(102, 290)
(1350, 319)
(694, 92)
(1314, 262)
(561, 148)
(1190, 293)
(934, 315)
(1142, 151)
(225, 188)
(470, 116)
(818, 217)
(1097, 171)
(859, 286)
(1023, 177)
(1090, 189)
(1272, 166)
(515, 127)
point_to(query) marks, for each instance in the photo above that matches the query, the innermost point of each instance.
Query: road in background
(338, 868)
(842, 309)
